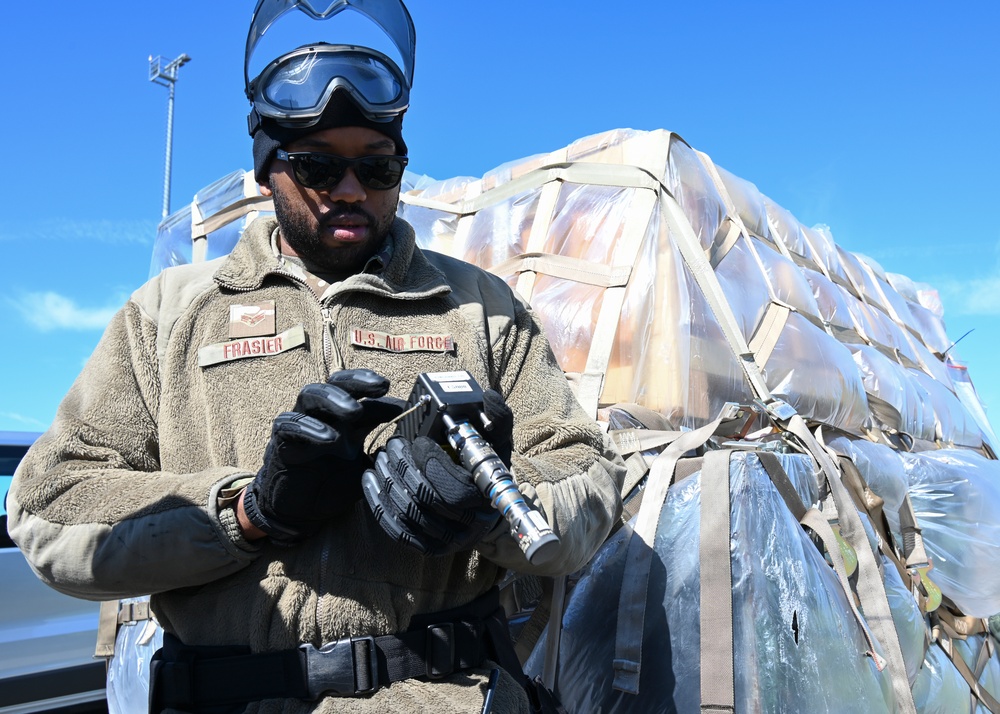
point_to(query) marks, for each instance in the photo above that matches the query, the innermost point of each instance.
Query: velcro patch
(254, 320)
(251, 347)
(421, 342)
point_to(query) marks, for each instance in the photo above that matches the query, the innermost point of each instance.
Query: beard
(306, 239)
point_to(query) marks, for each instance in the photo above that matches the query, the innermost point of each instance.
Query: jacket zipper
(332, 358)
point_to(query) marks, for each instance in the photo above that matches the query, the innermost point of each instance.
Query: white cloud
(50, 311)
(27, 421)
(89, 231)
(979, 296)
(977, 293)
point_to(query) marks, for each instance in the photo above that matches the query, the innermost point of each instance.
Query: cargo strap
(718, 684)
(870, 586)
(631, 444)
(765, 337)
(819, 523)
(911, 564)
(639, 555)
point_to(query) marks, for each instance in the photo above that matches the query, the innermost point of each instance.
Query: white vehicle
(47, 639)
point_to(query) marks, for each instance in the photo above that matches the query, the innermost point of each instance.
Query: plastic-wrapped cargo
(799, 647)
(939, 688)
(588, 236)
(210, 225)
(665, 281)
(956, 496)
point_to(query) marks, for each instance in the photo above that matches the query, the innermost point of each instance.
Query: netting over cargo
(594, 235)
(666, 282)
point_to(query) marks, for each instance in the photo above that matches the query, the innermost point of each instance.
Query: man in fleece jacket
(212, 450)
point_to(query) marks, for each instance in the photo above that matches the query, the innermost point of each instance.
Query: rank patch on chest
(418, 342)
(251, 347)
(253, 320)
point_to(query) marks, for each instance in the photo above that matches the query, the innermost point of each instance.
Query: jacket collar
(407, 275)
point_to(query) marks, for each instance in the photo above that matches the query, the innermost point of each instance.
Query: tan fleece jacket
(120, 496)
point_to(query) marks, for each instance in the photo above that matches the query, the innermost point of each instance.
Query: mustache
(347, 211)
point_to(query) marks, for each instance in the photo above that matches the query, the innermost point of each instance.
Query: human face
(334, 230)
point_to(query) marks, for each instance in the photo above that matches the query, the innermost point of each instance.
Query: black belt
(198, 678)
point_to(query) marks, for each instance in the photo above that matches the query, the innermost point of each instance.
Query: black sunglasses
(324, 171)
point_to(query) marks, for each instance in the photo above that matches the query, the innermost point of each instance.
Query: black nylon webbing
(193, 678)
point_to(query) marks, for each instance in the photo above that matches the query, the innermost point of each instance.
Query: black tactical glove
(421, 497)
(314, 461)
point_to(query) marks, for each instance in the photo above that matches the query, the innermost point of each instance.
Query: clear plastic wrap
(883, 470)
(966, 393)
(860, 278)
(907, 618)
(933, 366)
(817, 375)
(956, 497)
(787, 282)
(903, 285)
(173, 244)
(128, 670)
(691, 185)
(174, 240)
(894, 399)
(931, 328)
(955, 425)
(749, 203)
(800, 648)
(895, 303)
(831, 301)
(744, 286)
(786, 228)
(939, 688)
(669, 351)
(825, 249)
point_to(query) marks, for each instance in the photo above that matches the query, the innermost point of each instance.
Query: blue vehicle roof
(18, 438)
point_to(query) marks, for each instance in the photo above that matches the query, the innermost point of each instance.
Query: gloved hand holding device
(314, 461)
(421, 497)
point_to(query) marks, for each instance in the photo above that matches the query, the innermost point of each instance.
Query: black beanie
(340, 111)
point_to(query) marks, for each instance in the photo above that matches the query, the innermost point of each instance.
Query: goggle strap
(253, 120)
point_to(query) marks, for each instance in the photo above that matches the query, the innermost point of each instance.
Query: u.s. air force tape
(251, 347)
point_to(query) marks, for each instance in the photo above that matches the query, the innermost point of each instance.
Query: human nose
(348, 189)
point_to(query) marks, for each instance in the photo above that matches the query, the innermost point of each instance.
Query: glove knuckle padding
(327, 402)
(314, 461)
(360, 382)
(422, 498)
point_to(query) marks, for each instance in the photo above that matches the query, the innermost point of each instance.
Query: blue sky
(878, 119)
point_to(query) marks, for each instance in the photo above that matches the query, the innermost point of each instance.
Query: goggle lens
(301, 82)
(324, 171)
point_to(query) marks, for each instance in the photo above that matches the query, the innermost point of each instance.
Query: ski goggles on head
(295, 88)
(324, 171)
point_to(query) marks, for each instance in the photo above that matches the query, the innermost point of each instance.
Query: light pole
(165, 74)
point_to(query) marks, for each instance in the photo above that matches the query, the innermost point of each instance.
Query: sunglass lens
(380, 173)
(318, 171)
